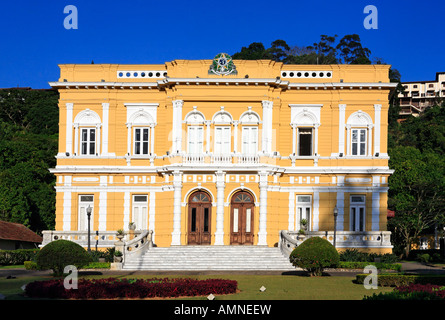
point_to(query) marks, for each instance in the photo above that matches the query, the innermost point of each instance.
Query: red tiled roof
(17, 232)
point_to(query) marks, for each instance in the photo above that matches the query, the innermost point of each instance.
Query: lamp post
(335, 224)
(89, 209)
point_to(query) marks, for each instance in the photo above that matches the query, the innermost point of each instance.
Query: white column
(341, 128)
(103, 204)
(262, 233)
(340, 202)
(69, 128)
(377, 116)
(207, 123)
(98, 138)
(177, 126)
(316, 138)
(235, 136)
(151, 214)
(177, 186)
(220, 186)
(105, 112)
(127, 202)
(152, 139)
(370, 140)
(375, 211)
(316, 211)
(67, 210)
(294, 139)
(129, 138)
(267, 126)
(76, 139)
(291, 226)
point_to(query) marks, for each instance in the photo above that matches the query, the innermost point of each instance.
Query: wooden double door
(199, 218)
(242, 218)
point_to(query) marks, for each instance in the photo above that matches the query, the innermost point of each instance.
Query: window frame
(304, 206)
(148, 142)
(357, 218)
(197, 128)
(299, 130)
(246, 146)
(359, 142)
(142, 223)
(88, 142)
(82, 223)
(223, 143)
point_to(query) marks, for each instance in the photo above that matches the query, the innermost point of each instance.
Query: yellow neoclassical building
(224, 152)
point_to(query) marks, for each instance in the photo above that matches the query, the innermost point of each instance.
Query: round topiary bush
(313, 255)
(58, 254)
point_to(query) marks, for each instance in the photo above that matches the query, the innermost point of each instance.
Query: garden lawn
(278, 287)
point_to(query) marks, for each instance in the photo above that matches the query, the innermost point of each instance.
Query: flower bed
(412, 292)
(112, 288)
(396, 280)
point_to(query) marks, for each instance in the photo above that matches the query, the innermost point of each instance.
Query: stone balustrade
(98, 239)
(220, 159)
(344, 239)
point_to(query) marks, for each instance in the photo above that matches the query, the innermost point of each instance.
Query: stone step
(211, 258)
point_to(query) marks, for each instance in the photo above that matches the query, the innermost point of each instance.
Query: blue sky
(33, 40)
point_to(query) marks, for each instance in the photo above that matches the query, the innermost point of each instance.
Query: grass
(278, 287)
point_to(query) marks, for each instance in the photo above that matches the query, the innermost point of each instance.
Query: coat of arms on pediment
(222, 64)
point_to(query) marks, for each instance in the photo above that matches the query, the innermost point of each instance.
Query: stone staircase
(211, 258)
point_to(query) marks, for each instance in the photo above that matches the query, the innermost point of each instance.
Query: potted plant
(117, 256)
(120, 234)
(303, 223)
(132, 226)
(301, 234)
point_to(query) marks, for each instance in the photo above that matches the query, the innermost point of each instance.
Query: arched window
(140, 133)
(195, 131)
(222, 121)
(305, 133)
(359, 134)
(249, 122)
(87, 133)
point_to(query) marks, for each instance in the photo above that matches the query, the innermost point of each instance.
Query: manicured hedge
(362, 265)
(396, 280)
(17, 257)
(113, 288)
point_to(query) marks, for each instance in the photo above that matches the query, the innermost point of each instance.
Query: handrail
(287, 243)
(137, 246)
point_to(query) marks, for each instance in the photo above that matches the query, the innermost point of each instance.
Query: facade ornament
(223, 65)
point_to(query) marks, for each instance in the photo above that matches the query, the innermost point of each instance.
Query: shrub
(30, 265)
(396, 280)
(58, 254)
(130, 288)
(362, 265)
(354, 255)
(313, 255)
(17, 257)
(412, 292)
(424, 258)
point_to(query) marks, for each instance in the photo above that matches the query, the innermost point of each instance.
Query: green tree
(255, 51)
(351, 51)
(28, 145)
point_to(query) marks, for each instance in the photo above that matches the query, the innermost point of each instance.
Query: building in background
(419, 95)
(15, 236)
(223, 152)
